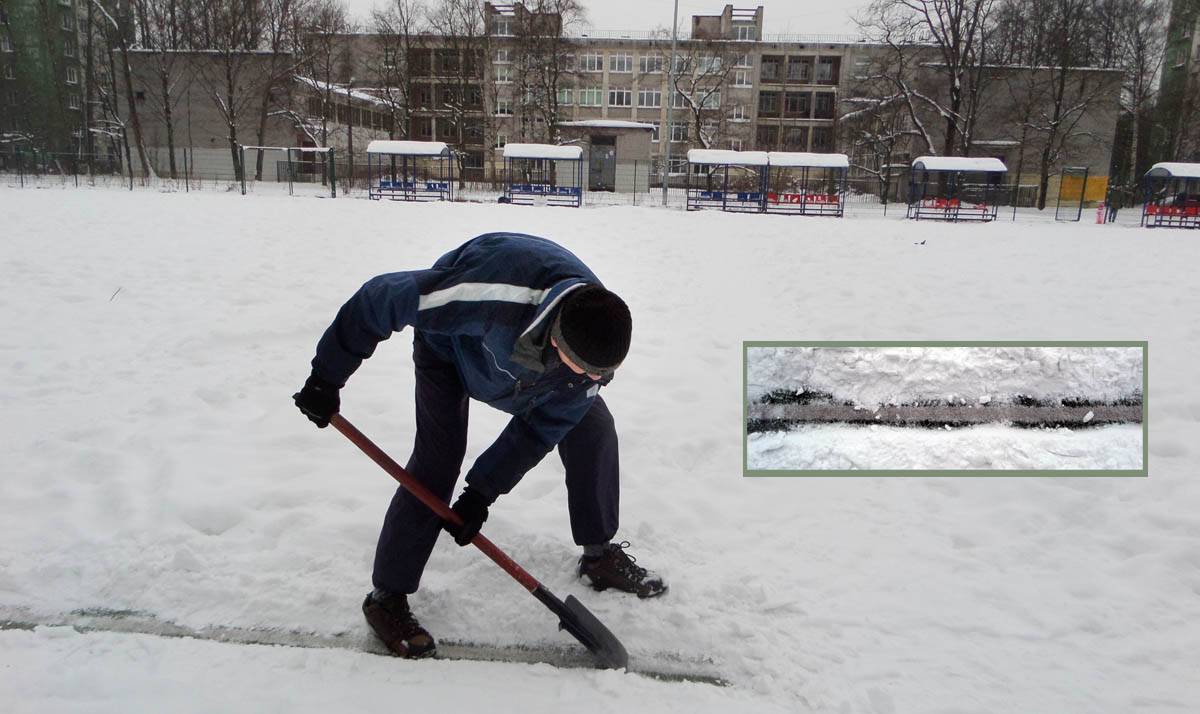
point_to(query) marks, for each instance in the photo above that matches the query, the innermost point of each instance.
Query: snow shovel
(572, 615)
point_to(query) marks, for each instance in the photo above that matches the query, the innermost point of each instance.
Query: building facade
(518, 78)
(42, 87)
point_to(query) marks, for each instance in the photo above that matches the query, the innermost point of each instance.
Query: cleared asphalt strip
(948, 414)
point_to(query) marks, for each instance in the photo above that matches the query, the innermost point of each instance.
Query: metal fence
(641, 185)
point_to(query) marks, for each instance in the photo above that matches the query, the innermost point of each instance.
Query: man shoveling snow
(519, 323)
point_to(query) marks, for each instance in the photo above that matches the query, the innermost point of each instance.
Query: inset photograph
(1009, 408)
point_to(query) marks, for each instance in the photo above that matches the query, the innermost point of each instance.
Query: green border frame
(1144, 471)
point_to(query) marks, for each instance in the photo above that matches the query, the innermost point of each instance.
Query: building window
(827, 70)
(650, 64)
(564, 97)
(590, 97)
(72, 75)
(678, 101)
(9, 73)
(769, 71)
(795, 138)
(620, 97)
(708, 64)
(678, 165)
(768, 104)
(69, 46)
(822, 138)
(649, 98)
(503, 26)
(503, 107)
(796, 104)
(738, 113)
(501, 140)
(503, 74)
(712, 100)
(824, 106)
(741, 78)
(5, 43)
(503, 56)
(591, 63)
(735, 144)
(767, 137)
(679, 131)
(68, 22)
(862, 68)
(620, 63)
(744, 32)
(654, 135)
(743, 60)
(799, 69)
(73, 100)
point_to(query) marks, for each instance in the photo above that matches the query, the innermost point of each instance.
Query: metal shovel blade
(585, 627)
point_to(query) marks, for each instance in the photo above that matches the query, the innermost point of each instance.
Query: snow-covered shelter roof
(958, 163)
(607, 124)
(726, 157)
(340, 90)
(1174, 169)
(542, 151)
(408, 148)
(805, 158)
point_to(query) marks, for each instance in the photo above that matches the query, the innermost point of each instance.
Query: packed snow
(154, 462)
(870, 376)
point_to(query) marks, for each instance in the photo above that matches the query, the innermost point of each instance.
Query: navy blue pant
(410, 529)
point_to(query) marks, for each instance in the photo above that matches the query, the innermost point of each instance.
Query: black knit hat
(593, 328)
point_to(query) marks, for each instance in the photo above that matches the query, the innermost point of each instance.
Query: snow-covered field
(153, 461)
(979, 376)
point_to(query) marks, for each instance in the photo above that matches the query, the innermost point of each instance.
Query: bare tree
(950, 36)
(118, 33)
(324, 58)
(1140, 49)
(399, 27)
(702, 73)
(545, 59)
(229, 69)
(460, 62)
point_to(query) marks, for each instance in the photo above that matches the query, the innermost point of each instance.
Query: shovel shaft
(434, 503)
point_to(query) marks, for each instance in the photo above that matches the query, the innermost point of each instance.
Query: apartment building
(1179, 86)
(41, 75)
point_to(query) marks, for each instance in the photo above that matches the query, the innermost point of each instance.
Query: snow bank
(845, 447)
(870, 376)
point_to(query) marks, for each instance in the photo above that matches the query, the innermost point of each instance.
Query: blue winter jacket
(487, 307)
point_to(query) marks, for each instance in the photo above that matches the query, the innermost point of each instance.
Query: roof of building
(1174, 169)
(542, 151)
(607, 124)
(958, 163)
(805, 158)
(408, 148)
(726, 157)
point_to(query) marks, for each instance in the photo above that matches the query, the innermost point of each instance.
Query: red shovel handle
(434, 503)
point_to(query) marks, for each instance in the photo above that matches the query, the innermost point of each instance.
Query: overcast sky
(781, 16)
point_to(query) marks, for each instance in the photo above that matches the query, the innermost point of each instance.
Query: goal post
(295, 164)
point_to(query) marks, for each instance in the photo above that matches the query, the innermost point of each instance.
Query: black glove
(318, 400)
(472, 508)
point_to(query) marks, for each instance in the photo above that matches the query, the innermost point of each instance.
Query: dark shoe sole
(600, 587)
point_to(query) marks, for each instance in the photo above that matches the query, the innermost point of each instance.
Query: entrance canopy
(1174, 169)
(976, 164)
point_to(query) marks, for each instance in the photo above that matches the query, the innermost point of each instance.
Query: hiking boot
(619, 570)
(393, 622)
